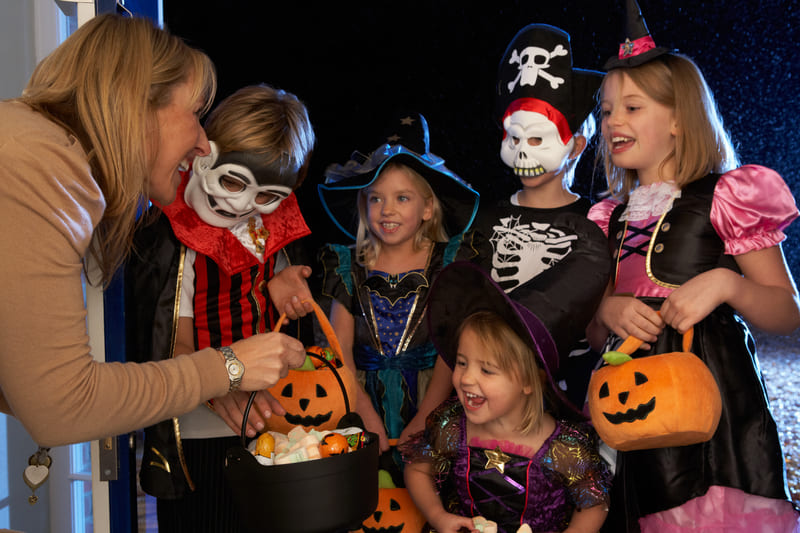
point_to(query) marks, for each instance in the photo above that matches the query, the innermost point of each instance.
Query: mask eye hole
(264, 198)
(231, 184)
(534, 141)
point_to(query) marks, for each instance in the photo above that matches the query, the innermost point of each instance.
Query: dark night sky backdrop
(357, 63)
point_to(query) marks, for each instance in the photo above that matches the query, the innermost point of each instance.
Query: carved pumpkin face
(312, 397)
(661, 400)
(395, 513)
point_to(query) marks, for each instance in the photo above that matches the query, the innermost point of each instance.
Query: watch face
(235, 368)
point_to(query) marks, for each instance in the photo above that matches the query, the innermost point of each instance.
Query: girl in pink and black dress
(697, 244)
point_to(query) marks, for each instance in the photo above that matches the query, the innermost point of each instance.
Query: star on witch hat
(638, 46)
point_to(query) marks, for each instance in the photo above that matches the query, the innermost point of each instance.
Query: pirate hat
(537, 68)
(406, 142)
(638, 46)
(462, 289)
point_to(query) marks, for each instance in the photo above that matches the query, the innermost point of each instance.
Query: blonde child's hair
(104, 84)
(264, 120)
(587, 130)
(368, 246)
(514, 357)
(702, 144)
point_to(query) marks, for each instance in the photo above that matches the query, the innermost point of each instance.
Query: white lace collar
(646, 201)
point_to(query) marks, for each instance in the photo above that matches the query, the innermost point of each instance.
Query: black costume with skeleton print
(557, 263)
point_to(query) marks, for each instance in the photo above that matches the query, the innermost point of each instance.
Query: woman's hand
(231, 407)
(267, 357)
(289, 291)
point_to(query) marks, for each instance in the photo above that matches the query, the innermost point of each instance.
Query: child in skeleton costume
(697, 244)
(380, 286)
(510, 448)
(546, 254)
(201, 278)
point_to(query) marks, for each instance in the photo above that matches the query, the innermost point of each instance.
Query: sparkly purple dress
(565, 474)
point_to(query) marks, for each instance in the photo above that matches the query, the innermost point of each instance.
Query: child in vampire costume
(546, 254)
(201, 277)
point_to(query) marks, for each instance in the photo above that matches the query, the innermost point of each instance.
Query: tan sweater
(49, 207)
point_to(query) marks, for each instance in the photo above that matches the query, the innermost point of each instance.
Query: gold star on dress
(496, 459)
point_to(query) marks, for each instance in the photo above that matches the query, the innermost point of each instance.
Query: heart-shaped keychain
(37, 472)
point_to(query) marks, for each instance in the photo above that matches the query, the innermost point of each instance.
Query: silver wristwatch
(234, 366)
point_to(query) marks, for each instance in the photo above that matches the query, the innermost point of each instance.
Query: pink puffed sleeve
(752, 206)
(600, 213)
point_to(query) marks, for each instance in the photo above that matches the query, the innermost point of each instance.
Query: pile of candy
(273, 448)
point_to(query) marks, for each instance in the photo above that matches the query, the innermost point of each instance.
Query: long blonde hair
(368, 246)
(514, 357)
(264, 120)
(702, 144)
(104, 84)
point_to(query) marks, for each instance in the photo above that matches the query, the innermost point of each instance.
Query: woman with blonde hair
(106, 122)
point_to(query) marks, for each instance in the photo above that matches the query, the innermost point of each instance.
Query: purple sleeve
(752, 206)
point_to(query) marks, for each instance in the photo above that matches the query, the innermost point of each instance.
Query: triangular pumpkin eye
(321, 392)
(639, 378)
(393, 505)
(603, 392)
(287, 391)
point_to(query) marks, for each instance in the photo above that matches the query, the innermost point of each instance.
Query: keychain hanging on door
(37, 472)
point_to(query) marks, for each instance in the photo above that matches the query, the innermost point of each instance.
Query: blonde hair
(104, 84)
(586, 130)
(514, 357)
(264, 120)
(702, 144)
(368, 246)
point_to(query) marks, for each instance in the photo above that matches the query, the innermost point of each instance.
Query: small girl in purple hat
(510, 448)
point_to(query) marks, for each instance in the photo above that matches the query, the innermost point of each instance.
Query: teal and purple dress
(392, 350)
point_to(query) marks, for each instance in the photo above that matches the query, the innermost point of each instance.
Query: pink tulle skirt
(725, 510)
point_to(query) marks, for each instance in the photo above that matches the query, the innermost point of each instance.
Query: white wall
(17, 47)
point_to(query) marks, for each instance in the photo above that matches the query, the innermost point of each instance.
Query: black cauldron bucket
(331, 494)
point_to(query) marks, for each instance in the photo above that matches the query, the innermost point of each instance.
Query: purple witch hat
(638, 46)
(463, 288)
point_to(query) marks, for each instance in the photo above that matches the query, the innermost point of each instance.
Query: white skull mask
(532, 145)
(225, 194)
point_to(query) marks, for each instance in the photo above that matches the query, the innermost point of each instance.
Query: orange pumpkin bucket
(334, 493)
(310, 394)
(669, 399)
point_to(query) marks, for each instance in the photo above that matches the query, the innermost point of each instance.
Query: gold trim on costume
(163, 464)
(175, 317)
(648, 257)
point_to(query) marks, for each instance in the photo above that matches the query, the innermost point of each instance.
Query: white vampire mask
(532, 145)
(226, 189)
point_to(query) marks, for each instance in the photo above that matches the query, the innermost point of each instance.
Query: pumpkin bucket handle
(324, 323)
(327, 329)
(631, 344)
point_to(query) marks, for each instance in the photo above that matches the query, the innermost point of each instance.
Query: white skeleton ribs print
(523, 251)
(533, 62)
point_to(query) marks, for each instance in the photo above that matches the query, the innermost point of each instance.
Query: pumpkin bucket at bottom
(331, 494)
(669, 399)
